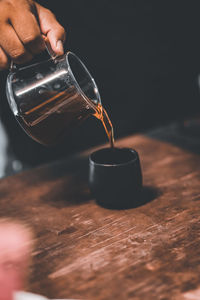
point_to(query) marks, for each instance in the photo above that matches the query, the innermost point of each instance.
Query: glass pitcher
(51, 97)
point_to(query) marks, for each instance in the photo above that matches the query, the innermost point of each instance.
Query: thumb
(51, 28)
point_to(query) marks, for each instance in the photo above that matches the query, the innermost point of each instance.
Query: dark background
(144, 56)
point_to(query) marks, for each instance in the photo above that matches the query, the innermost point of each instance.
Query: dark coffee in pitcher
(50, 120)
(56, 113)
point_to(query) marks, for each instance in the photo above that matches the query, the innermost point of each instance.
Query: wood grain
(88, 252)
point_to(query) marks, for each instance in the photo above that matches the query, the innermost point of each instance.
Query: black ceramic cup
(115, 177)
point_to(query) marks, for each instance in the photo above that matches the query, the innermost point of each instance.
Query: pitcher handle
(13, 66)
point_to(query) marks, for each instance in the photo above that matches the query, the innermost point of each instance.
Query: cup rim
(91, 161)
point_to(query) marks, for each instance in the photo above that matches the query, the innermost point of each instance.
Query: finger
(28, 31)
(12, 46)
(4, 60)
(52, 29)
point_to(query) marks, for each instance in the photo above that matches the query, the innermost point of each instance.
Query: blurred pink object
(15, 248)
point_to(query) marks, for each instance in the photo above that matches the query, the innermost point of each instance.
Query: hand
(22, 23)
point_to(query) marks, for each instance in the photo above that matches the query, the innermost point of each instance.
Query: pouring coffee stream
(107, 124)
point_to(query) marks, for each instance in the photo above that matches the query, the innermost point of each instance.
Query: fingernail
(59, 47)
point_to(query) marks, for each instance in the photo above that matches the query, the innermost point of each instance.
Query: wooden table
(88, 252)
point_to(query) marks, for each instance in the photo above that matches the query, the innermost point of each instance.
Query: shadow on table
(148, 194)
(66, 184)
